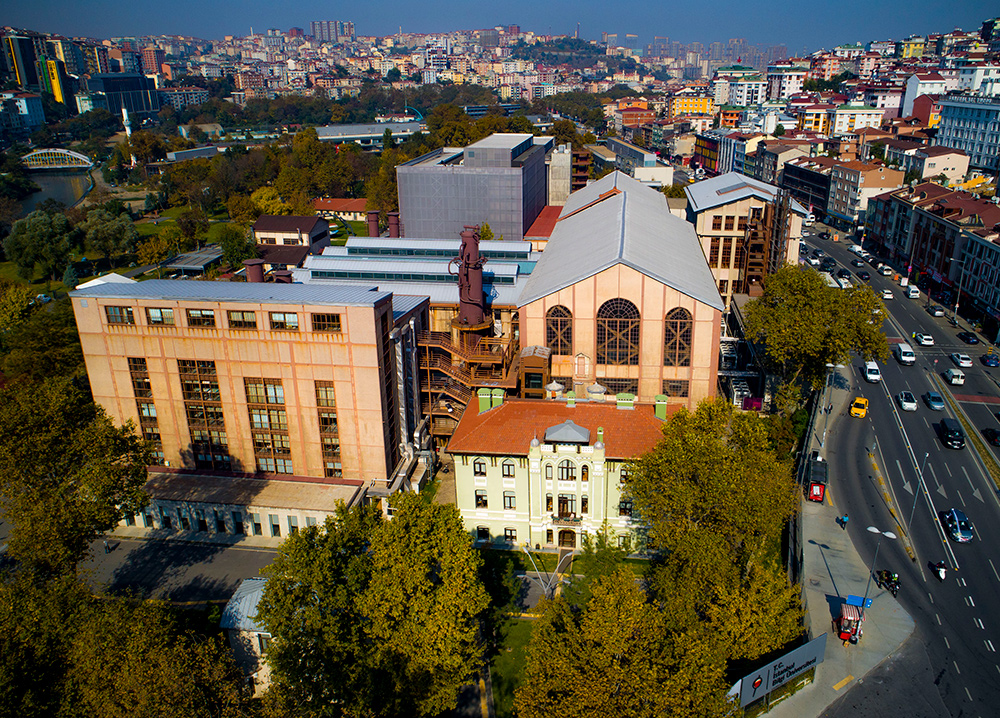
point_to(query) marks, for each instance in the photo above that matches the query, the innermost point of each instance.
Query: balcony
(566, 520)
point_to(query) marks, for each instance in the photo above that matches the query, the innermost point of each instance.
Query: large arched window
(677, 338)
(559, 330)
(567, 470)
(618, 332)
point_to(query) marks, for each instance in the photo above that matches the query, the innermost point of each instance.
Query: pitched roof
(545, 222)
(618, 220)
(241, 610)
(340, 204)
(507, 430)
(293, 254)
(287, 223)
(731, 187)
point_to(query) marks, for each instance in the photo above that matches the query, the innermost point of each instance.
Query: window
(147, 411)
(332, 469)
(548, 472)
(324, 394)
(275, 525)
(508, 469)
(479, 467)
(509, 501)
(584, 504)
(585, 473)
(620, 386)
(328, 422)
(284, 321)
(713, 252)
(141, 386)
(717, 223)
(625, 508)
(242, 320)
(293, 525)
(203, 408)
(676, 387)
(481, 501)
(559, 330)
(730, 223)
(264, 391)
(160, 316)
(310, 521)
(482, 533)
(618, 333)
(263, 642)
(548, 536)
(510, 535)
(567, 470)
(677, 337)
(548, 502)
(741, 225)
(201, 317)
(326, 322)
(723, 286)
(202, 522)
(220, 523)
(119, 315)
(567, 505)
(257, 530)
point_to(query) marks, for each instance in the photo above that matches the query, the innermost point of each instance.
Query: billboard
(758, 684)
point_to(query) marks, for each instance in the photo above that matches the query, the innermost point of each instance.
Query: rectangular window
(160, 316)
(717, 223)
(723, 286)
(275, 525)
(510, 535)
(509, 500)
(220, 523)
(676, 387)
(482, 533)
(730, 223)
(508, 470)
(548, 472)
(293, 525)
(328, 422)
(147, 410)
(264, 391)
(284, 321)
(237, 522)
(141, 386)
(332, 469)
(481, 501)
(201, 317)
(479, 467)
(310, 521)
(119, 315)
(742, 224)
(257, 529)
(324, 394)
(625, 508)
(584, 504)
(713, 252)
(548, 502)
(326, 323)
(242, 320)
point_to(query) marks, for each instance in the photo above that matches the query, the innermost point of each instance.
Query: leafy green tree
(193, 224)
(44, 344)
(154, 249)
(601, 556)
(380, 189)
(40, 238)
(779, 131)
(804, 324)
(674, 191)
(267, 201)
(339, 642)
(241, 209)
(69, 278)
(236, 245)
(485, 232)
(15, 301)
(67, 473)
(110, 235)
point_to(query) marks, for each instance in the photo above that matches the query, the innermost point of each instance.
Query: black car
(843, 274)
(864, 275)
(968, 337)
(824, 235)
(992, 436)
(857, 263)
(818, 253)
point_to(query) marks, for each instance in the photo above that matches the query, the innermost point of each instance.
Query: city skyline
(781, 22)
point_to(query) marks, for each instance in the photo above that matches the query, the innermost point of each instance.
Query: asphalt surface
(958, 620)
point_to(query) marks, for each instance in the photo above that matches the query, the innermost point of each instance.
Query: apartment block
(852, 184)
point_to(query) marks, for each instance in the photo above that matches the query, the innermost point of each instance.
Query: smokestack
(373, 223)
(282, 276)
(255, 270)
(394, 224)
(471, 309)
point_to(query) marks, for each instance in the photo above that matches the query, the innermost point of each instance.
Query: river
(67, 187)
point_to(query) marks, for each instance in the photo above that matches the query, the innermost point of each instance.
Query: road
(958, 619)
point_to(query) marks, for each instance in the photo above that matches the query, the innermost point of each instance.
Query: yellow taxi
(859, 407)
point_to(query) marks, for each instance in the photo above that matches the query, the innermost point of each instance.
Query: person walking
(107, 549)
(843, 521)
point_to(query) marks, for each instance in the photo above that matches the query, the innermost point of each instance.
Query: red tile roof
(544, 223)
(508, 429)
(340, 204)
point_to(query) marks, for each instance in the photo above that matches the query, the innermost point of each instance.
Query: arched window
(567, 470)
(585, 473)
(677, 338)
(559, 330)
(548, 471)
(479, 467)
(618, 333)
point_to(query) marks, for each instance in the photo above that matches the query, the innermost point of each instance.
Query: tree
(15, 301)
(267, 201)
(69, 278)
(337, 640)
(674, 191)
(193, 224)
(43, 345)
(779, 131)
(485, 232)
(805, 325)
(110, 235)
(393, 75)
(380, 189)
(241, 209)
(154, 249)
(601, 556)
(236, 245)
(40, 238)
(67, 473)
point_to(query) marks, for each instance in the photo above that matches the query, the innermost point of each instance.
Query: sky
(799, 25)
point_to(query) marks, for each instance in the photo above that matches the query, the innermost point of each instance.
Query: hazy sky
(797, 24)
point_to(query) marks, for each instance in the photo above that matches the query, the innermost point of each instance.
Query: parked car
(924, 340)
(991, 359)
(813, 262)
(958, 525)
(968, 337)
(864, 275)
(857, 263)
(907, 402)
(992, 436)
(859, 407)
(962, 360)
(824, 235)
(843, 273)
(934, 401)
(936, 311)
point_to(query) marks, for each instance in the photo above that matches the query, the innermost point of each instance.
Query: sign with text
(764, 680)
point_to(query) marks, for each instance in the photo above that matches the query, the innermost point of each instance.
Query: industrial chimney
(255, 270)
(394, 224)
(471, 309)
(373, 223)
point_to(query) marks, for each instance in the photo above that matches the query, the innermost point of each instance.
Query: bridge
(53, 159)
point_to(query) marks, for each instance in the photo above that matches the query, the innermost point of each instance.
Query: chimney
(255, 270)
(600, 435)
(471, 310)
(570, 399)
(484, 400)
(282, 276)
(373, 223)
(661, 407)
(498, 395)
(625, 401)
(394, 225)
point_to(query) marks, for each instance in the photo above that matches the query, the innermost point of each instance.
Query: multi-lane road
(958, 618)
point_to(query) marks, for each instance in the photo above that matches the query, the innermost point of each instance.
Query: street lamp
(887, 534)
(958, 296)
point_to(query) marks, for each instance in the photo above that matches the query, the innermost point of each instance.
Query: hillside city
(496, 372)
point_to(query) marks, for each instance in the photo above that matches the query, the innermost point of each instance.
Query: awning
(852, 613)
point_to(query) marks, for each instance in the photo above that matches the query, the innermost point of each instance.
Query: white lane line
(967, 478)
(979, 623)
(931, 597)
(961, 582)
(960, 498)
(946, 642)
(938, 619)
(957, 669)
(989, 644)
(971, 602)
(948, 469)
(994, 569)
(968, 694)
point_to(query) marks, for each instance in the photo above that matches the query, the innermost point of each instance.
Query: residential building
(500, 180)
(807, 180)
(181, 97)
(29, 115)
(889, 221)
(931, 162)
(850, 118)
(549, 472)
(852, 184)
(352, 210)
(131, 91)
(152, 59)
(312, 232)
(925, 83)
(690, 104)
(783, 82)
(971, 123)
(747, 230)
(771, 159)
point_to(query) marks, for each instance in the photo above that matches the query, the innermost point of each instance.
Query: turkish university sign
(758, 684)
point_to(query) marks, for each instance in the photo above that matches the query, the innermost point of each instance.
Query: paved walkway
(832, 569)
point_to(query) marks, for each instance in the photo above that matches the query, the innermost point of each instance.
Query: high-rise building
(22, 61)
(131, 91)
(95, 58)
(332, 30)
(70, 54)
(152, 59)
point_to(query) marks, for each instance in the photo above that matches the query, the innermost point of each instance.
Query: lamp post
(916, 490)
(958, 296)
(887, 534)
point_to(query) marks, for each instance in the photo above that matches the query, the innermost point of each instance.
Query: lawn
(507, 667)
(544, 561)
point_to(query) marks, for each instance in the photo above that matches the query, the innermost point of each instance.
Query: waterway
(66, 187)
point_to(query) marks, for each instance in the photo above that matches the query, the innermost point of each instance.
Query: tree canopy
(40, 238)
(340, 647)
(804, 324)
(110, 235)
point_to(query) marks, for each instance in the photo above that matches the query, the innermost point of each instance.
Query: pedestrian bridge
(53, 159)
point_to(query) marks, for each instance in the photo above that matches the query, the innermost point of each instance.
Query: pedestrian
(843, 521)
(107, 549)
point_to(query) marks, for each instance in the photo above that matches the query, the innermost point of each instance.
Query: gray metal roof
(567, 433)
(405, 303)
(241, 610)
(500, 140)
(394, 265)
(429, 243)
(439, 293)
(340, 294)
(375, 129)
(196, 260)
(633, 227)
(731, 187)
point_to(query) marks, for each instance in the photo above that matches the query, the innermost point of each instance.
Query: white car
(924, 340)
(963, 360)
(885, 270)
(813, 261)
(907, 402)
(886, 294)
(936, 311)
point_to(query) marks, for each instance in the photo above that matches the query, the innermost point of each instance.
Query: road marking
(968, 694)
(971, 602)
(938, 619)
(925, 581)
(838, 686)
(979, 623)
(956, 666)
(946, 642)
(948, 468)
(960, 498)
(994, 569)
(961, 582)
(989, 644)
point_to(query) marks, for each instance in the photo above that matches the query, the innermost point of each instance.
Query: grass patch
(360, 228)
(507, 667)
(545, 562)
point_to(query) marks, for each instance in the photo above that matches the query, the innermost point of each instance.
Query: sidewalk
(832, 569)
